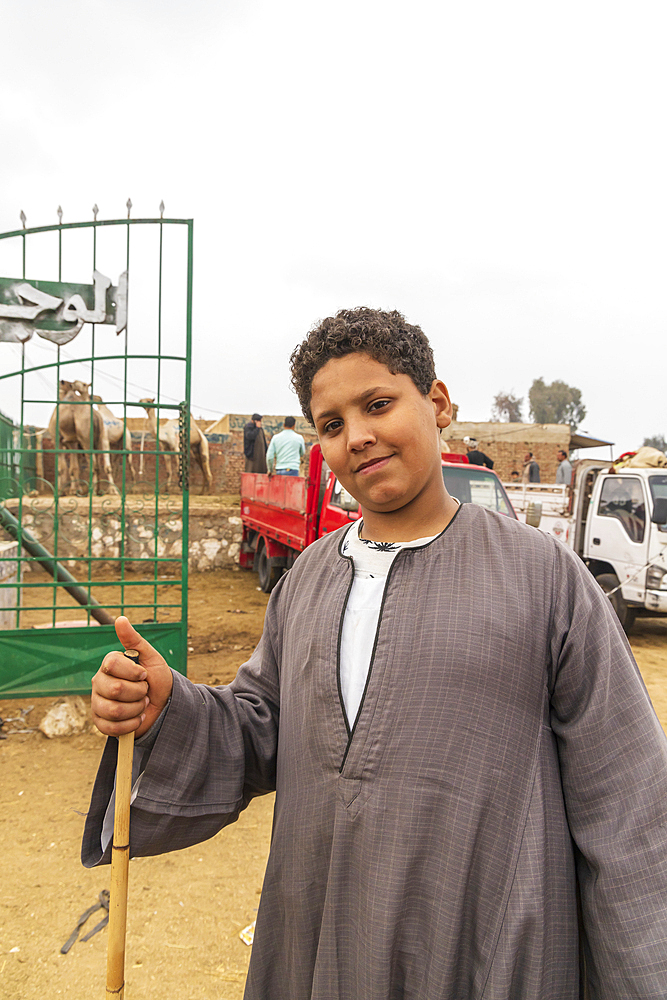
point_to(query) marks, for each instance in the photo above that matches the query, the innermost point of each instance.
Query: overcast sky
(495, 171)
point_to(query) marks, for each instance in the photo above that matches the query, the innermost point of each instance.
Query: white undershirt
(372, 562)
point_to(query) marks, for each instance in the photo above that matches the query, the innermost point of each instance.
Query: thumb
(130, 638)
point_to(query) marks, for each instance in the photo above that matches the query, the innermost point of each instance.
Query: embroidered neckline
(380, 546)
(369, 543)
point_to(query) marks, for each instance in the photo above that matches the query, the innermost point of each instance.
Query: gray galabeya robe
(506, 771)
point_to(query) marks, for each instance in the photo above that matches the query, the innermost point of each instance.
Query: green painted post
(47, 561)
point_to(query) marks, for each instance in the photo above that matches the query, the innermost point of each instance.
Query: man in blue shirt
(285, 451)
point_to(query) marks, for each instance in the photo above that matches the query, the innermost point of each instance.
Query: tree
(657, 441)
(558, 403)
(507, 406)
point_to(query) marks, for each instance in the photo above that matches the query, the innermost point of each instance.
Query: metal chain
(184, 449)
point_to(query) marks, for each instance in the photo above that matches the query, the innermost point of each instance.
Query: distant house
(507, 444)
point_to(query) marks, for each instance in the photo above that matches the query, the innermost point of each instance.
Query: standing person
(286, 450)
(475, 456)
(531, 470)
(471, 783)
(564, 470)
(254, 445)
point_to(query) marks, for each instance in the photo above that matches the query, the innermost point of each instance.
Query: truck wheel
(624, 613)
(268, 574)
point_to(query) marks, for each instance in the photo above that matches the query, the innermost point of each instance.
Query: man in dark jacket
(254, 445)
(475, 456)
(531, 470)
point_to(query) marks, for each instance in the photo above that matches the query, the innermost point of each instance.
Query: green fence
(18, 464)
(94, 446)
(9, 459)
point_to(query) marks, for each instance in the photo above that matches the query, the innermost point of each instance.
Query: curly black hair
(384, 336)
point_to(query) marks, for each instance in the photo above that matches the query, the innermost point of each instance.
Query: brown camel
(100, 439)
(63, 416)
(118, 434)
(74, 431)
(168, 438)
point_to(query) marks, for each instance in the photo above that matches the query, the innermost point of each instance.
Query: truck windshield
(623, 499)
(658, 486)
(474, 486)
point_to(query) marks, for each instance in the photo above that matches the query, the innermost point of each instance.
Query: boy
(464, 755)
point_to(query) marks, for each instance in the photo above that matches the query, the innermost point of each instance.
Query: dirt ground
(186, 910)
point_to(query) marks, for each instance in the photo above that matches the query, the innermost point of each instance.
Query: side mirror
(534, 514)
(659, 515)
(347, 501)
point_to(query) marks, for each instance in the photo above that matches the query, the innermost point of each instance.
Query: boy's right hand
(128, 697)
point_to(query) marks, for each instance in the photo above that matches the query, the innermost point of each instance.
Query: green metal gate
(11, 467)
(92, 522)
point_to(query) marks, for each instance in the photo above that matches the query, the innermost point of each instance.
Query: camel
(100, 440)
(118, 434)
(80, 416)
(63, 416)
(168, 438)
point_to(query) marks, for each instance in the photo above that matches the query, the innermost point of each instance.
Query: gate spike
(22, 217)
(128, 205)
(161, 209)
(95, 211)
(60, 215)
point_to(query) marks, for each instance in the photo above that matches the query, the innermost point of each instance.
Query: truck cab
(468, 483)
(616, 522)
(476, 484)
(625, 539)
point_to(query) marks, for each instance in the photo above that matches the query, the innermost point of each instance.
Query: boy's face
(379, 435)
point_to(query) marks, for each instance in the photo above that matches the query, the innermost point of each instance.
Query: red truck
(283, 514)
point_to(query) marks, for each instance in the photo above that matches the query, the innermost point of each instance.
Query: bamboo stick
(120, 858)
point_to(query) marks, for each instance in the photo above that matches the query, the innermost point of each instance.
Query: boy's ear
(439, 396)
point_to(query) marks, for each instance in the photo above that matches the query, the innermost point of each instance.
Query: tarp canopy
(582, 441)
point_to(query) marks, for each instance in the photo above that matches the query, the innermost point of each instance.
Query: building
(507, 444)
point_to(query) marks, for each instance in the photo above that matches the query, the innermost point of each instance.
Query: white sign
(57, 311)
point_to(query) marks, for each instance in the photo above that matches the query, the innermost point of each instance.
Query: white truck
(616, 521)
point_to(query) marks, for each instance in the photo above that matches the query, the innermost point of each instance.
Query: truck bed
(554, 497)
(275, 506)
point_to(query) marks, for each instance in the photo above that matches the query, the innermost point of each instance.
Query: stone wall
(215, 538)
(215, 532)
